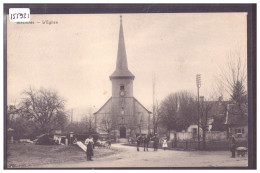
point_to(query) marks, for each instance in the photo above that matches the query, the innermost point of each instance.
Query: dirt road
(129, 157)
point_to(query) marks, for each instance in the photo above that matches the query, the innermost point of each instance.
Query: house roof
(121, 63)
(234, 116)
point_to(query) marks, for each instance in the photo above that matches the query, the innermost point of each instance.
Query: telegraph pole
(71, 116)
(154, 128)
(198, 82)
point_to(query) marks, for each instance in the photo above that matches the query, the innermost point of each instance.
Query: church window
(122, 90)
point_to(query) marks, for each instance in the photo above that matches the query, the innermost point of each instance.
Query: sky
(76, 56)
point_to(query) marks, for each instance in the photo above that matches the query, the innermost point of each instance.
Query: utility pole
(154, 128)
(95, 118)
(71, 116)
(198, 82)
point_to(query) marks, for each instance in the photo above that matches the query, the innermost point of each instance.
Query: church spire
(121, 63)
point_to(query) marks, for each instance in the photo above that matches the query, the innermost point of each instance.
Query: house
(223, 120)
(230, 119)
(236, 122)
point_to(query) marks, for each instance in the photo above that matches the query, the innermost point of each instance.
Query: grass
(26, 155)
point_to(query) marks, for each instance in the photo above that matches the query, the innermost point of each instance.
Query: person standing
(138, 141)
(146, 142)
(156, 142)
(233, 147)
(75, 141)
(129, 140)
(108, 143)
(89, 152)
(164, 145)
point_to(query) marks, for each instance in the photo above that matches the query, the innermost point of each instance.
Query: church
(122, 116)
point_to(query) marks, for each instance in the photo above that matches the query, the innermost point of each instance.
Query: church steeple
(121, 63)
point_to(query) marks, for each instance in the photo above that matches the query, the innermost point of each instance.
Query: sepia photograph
(148, 86)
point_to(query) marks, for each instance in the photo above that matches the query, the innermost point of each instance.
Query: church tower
(122, 78)
(122, 115)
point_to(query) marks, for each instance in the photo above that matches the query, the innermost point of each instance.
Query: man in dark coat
(146, 142)
(138, 141)
(156, 142)
(233, 147)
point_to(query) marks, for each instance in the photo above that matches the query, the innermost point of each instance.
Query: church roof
(121, 63)
(103, 106)
(142, 106)
(111, 99)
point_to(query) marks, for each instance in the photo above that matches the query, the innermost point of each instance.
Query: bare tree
(156, 114)
(43, 107)
(206, 108)
(132, 124)
(107, 124)
(233, 72)
(89, 121)
(233, 80)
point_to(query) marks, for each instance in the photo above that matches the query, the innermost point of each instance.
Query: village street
(129, 157)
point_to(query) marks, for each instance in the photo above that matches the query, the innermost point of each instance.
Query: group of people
(145, 140)
(141, 139)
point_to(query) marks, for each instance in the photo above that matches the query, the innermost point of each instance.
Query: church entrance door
(122, 132)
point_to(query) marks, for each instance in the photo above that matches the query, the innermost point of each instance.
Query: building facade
(122, 116)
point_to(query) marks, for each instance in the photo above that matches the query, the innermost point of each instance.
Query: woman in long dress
(164, 145)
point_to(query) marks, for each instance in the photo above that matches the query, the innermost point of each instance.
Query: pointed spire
(121, 63)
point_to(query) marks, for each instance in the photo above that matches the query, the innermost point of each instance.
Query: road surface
(129, 157)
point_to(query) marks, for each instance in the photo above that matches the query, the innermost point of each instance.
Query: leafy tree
(186, 111)
(239, 94)
(168, 112)
(177, 111)
(239, 98)
(20, 124)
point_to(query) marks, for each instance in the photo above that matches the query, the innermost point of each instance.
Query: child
(108, 144)
(164, 145)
